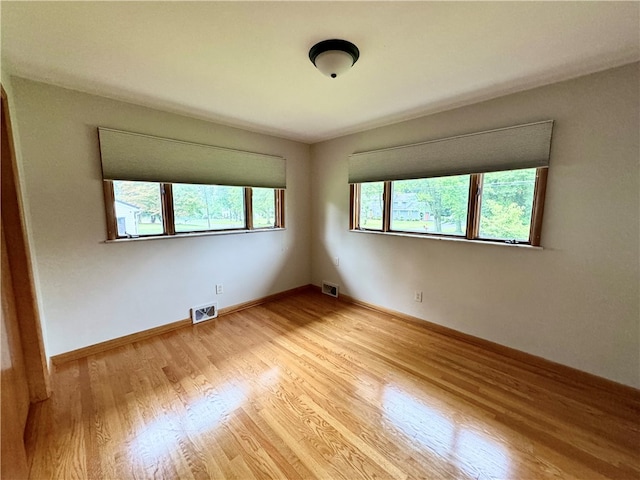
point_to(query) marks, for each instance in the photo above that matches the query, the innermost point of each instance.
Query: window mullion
(167, 209)
(110, 206)
(386, 211)
(473, 208)
(540, 189)
(354, 217)
(248, 208)
(279, 193)
(276, 207)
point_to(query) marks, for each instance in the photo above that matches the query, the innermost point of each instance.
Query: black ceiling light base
(345, 55)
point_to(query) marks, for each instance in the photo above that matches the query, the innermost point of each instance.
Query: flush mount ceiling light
(334, 57)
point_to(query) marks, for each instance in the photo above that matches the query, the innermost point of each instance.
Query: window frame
(168, 215)
(278, 205)
(473, 212)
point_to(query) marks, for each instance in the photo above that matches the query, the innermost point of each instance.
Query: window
(200, 208)
(138, 208)
(504, 206)
(151, 209)
(431, 205)
(486, 185)
(264, 207)
(507, 204)
(157, 186)
(371, 205)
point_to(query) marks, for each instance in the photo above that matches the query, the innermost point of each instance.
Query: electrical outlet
(219, 289)
(336, 261)
(417, 296)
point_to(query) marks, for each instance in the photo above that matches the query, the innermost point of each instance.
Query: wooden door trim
(21, 268)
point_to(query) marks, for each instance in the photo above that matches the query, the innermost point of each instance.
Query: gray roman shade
(511, 148)
(131, 156)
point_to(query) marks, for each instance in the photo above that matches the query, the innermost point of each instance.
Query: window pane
(431, 205)
(138, 208)
(198, 208)
(507, 202)
(264, 207)
(371, 205)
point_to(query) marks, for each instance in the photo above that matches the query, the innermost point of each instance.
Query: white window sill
(194, 234)
(450, 239)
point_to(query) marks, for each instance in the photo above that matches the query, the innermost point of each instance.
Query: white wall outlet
(417, 296)
(336, 261)
(219, 289)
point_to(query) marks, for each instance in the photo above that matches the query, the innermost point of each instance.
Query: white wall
(577, 301)
(91, 291)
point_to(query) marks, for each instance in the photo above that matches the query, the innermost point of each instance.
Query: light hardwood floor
(308, 387)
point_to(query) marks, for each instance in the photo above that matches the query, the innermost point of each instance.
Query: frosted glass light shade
(334, 57)
(334, 63)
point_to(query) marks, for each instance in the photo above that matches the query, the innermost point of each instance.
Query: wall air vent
(204, 312)
(330, 289)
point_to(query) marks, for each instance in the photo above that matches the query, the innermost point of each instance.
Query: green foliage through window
(264, 208)
(431, 205)
(207, 207)
(507, 202)
(502, 207)
(138, 208)
(371, 205)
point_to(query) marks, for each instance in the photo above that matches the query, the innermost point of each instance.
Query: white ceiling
(246, 63)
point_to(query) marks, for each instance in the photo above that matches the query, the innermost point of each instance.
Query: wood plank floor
(308, 387)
